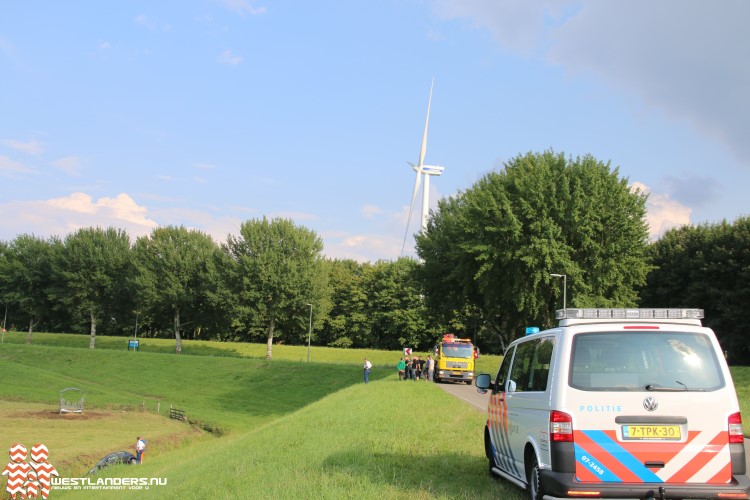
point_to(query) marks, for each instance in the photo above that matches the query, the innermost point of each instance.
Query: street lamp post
(309, 333)
(4, 320)
(565, 288)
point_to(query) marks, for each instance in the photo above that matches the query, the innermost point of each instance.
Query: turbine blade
(411, 208)
(423, 149)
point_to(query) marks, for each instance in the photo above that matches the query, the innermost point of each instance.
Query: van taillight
(560, 427)
(735, 428)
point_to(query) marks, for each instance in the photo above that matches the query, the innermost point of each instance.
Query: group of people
(416, 368)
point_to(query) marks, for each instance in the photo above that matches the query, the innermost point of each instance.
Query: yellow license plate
(651, 432)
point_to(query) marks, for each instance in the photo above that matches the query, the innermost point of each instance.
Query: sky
(208, 113)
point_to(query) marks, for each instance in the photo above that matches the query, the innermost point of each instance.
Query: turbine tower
(425, 171)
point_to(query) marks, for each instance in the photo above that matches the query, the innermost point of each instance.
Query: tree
(4, 288)
(348, 324)
(276, 270)
(92, 270)
(26, 273)
(493, 247)
(174, 265)
(706, 266)
(396, 306)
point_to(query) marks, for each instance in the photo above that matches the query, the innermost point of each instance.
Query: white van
(617, 403)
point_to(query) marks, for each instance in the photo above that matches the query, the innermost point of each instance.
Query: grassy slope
(225, 393)
(294, 429)
(388, 439)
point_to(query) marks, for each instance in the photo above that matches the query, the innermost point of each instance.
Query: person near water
(140, 449)
(368, 367)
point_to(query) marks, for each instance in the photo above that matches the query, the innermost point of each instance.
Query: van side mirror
(483, 383)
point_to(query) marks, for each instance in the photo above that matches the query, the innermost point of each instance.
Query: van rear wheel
(536, 492)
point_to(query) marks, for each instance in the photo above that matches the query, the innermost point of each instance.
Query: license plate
(651, 432)
(456, 374)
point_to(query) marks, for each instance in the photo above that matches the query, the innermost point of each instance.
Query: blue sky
(206, 113)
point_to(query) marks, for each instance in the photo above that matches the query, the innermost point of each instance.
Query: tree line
(485, 271)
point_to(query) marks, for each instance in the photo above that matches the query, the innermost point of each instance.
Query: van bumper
(558, 484)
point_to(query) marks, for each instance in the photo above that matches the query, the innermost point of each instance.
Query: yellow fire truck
(454, 359)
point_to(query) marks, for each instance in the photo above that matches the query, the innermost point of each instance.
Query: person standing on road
(430, 368)
(140, 448)
(368, 367)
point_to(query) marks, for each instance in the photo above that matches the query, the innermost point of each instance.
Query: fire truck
(454, 359)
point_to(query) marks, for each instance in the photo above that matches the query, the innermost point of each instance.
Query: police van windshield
(458, 351)
(644, 361)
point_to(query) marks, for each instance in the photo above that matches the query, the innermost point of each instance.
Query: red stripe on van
(705, 455)
(647, 451)
(725, 472)
(586, 475)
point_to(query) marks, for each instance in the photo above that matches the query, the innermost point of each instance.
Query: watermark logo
(107, 483)
(28, 479)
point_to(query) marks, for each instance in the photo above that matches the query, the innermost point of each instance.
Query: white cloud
(361, 247)
(71, 165)
(10, 167)
(662, 212)
(216, 227)
(243, 7)
(104, 46)
(61, 216)
(6, 48)
(371, 211)
(516, 24)
(685, 57)
(295, 216)
(227, 57)
(204, 166)
(34, 148)
(145, 21)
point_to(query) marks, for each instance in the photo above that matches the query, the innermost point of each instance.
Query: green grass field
(282, 428)
(379, 358)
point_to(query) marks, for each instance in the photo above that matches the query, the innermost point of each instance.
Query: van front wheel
(536, 492)
(488, 450)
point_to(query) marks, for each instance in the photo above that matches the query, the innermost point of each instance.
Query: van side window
(502, 373)
(531, 366)
(540, 365)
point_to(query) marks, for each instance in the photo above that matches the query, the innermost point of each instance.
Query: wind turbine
(425, 171)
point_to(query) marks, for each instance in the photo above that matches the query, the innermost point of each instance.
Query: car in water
(115, 458)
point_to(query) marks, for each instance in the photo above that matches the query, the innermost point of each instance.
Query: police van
(617, 403)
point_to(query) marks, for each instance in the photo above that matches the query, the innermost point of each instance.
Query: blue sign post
(532, 329)
(133, 344)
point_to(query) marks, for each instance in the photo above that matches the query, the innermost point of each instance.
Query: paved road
(470, 395)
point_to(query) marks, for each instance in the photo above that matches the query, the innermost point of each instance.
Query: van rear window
(644, 361)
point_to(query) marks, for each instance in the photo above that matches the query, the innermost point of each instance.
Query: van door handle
(654, 465)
